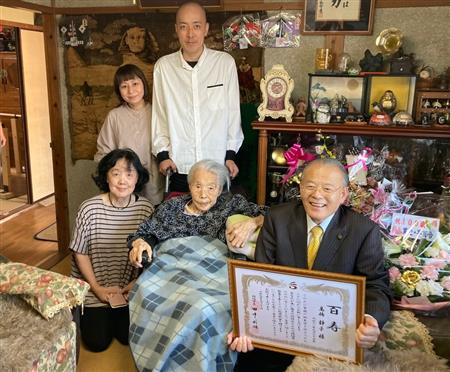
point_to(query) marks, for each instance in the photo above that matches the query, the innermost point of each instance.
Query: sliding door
(37, 115)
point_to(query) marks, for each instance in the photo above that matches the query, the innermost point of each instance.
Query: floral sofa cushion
(45, 291)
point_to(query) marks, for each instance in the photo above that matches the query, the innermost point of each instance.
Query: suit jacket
(351, 245)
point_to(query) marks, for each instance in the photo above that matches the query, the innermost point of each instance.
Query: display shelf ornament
(276, 88)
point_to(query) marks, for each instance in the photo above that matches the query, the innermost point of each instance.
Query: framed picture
(297, 311)
(338, 17)
(327, 87)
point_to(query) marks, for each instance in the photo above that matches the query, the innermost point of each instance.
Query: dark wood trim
(336, 44)
(433, 132)
(99, 10)
(410, 3)
(226, 8)
(57, 135)
(228, 5)
(236, 5)
(266, 127)
(26, 5)
(23, 26)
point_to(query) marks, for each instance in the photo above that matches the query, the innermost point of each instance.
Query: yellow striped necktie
(314, 244)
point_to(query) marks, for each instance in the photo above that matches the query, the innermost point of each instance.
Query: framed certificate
(344, 17)
(297, 311)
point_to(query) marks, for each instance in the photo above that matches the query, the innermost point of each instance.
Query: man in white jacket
(196, 107)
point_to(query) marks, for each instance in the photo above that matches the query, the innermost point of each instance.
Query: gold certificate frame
(297, 311)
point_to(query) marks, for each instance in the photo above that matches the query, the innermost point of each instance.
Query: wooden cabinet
(412, 138)
(9, 88)
(432, 107)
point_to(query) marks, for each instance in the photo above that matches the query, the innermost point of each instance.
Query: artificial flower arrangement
(419, 267)
(419, 270)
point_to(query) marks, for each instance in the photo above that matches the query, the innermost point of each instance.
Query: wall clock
(276, 88)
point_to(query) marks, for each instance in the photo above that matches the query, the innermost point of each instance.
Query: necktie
(314, 243)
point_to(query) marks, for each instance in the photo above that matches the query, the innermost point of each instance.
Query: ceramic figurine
(323, 114)
(436, 104)
(300, 107)
(370, 62)
(402, 118)
(388, 102)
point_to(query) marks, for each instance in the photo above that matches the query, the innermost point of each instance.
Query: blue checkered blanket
(180, 308)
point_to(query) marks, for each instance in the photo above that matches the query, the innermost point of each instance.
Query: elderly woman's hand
(240, 232)
(367, 333)
(241, 344)
(135, 255)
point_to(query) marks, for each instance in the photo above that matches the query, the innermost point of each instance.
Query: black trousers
(263, 361)
(99, 325)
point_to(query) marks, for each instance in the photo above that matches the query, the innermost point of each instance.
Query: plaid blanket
(180, 309)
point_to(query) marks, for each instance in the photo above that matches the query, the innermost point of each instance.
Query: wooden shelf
(265, 128)
(355, 129)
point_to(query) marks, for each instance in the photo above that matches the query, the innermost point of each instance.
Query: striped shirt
(101, 232)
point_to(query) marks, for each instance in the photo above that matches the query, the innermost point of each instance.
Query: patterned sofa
(36, 328)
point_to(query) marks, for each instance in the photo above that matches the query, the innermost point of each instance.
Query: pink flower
(444, 255)
(394, 274)
(407, 260)
(429, 272)
(438, 264)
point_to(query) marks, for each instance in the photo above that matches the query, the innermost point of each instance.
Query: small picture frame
(344, 17)
(297, 311)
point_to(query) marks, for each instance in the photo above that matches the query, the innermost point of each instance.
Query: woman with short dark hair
(100, 253)
(128, 125)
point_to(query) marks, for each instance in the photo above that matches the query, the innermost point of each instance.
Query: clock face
(276, 87)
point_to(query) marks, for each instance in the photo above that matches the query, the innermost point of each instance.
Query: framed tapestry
(95, 46)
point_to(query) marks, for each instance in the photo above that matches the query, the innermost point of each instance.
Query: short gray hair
(329, 162)
(220, 170)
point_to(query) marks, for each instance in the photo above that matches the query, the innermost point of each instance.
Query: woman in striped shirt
(100, 253)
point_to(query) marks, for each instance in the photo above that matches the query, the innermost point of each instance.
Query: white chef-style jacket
(196, 110)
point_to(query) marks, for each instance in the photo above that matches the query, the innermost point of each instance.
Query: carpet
(48, 234)
(404, 346)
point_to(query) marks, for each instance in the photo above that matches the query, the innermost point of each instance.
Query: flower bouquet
(419, 270)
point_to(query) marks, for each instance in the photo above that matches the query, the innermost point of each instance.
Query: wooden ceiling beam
(228, 5)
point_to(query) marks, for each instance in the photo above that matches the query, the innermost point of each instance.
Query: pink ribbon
(292, 156)
(362, 158)
(419, 303)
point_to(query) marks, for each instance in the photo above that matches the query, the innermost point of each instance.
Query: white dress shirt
(196, 110)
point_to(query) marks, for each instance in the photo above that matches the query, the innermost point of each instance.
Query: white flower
(432, 251)
(446, 238)
(445, 282)
(429, 288)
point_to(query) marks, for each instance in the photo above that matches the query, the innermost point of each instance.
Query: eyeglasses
(326, 189)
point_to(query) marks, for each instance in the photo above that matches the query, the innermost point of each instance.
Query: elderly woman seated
(179, 307)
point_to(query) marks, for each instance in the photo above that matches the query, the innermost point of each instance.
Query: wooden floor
(17, 241)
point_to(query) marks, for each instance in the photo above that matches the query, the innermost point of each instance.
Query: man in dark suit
(349, 243)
